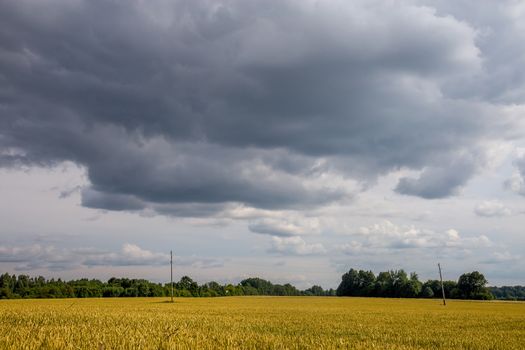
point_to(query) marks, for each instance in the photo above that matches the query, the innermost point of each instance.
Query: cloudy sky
(285, 139)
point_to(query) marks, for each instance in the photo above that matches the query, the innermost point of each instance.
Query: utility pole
(442, 288)
(171, 265)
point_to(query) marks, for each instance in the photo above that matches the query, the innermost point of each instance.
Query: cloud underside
(185, 107)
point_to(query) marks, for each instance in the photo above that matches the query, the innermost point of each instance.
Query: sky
(290, 140)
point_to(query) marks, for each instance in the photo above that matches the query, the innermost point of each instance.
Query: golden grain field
(260, 323)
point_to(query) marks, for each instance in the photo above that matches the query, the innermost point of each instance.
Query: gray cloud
(285, 228)
(183, 107)
(504, 257)
(101, 200)
(499, 27)
(439, 182)
(516, 183)
(39, 256)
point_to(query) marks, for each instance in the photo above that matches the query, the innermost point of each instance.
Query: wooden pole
(171, 265)
(442, 288)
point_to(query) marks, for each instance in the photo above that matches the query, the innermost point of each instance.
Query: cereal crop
(260, 323)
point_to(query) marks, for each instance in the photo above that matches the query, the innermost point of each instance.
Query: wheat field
(260, 323)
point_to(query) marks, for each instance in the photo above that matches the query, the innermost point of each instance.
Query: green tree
(215, 287)
(262, 286)
(186, 283)
(427, 292)
(367, 281)
(314, 290)
(411, 287)
(349, 285)
(383, 285)
(472, 286)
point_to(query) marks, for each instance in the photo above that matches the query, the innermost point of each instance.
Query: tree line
(399, 284)
(23, 286)
(394, 283)
(508, 292)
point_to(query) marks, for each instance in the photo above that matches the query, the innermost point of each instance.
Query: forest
(23, 286)
(398, 284)
(389, 284)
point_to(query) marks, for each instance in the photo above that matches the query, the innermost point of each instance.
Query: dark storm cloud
(500, 33)
(190, 104)
(101, 200)
(439, 182)
(159, 172)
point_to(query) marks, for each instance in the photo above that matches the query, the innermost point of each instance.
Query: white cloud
(284, 227)
(492, 209)
(502, 257)
(130, 255)
(20, 254)
(53, 258)
(352, 248)
(516, 182)
(387, 235)
(295, 246)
